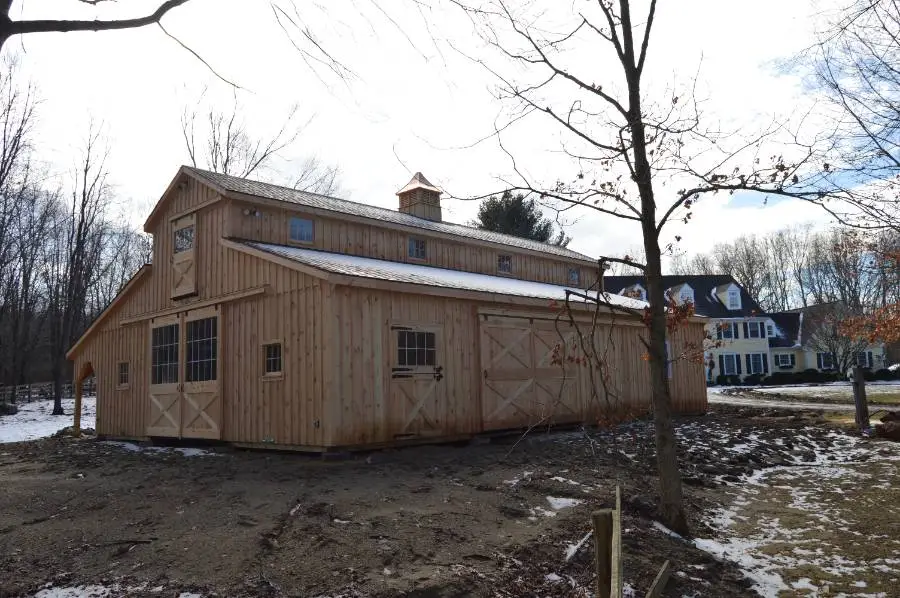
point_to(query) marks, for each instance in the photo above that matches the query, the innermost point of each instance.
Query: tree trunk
(58, 372)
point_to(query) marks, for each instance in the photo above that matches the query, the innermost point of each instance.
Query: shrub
(8, 408)
(721, 380)
(809, 376)
(882, 374)
(753, 379)
(779, 378)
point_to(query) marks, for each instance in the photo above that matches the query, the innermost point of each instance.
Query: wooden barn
(276, 317)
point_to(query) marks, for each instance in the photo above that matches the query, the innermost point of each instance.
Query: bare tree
(584, 73)
(9, 27)
(221, 141)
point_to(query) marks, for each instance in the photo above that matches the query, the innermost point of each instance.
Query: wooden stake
(660, 582)
(77, 423)
(859, 398)
(616, 557)
(602, 522)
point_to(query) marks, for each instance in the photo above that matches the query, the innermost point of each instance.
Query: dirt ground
(477, 519)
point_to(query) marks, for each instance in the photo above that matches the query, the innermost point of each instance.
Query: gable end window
(574, 276)
(734, 300)
(416, 349)
(123, 374)
(418, 249)
(686, 296)
(184, 239)
(301, 230)
(272, 359)
(770, 330)
(504, 264)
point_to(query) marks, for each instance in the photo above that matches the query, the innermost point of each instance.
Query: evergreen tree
(514, 215)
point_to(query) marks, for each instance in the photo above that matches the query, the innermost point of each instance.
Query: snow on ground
(137, 448)
(831, 390)
(822, 517)
(34, 421)
(98, 591)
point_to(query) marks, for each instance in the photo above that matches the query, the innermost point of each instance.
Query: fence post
(603, 531)
(859, 398)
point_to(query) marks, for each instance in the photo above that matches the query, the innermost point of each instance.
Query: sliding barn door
(202, 399)
(185, 399)
(165, 377)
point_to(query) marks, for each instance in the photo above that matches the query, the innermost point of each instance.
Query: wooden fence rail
(40, 391)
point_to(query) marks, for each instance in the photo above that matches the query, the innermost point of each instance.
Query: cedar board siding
(339, 236)
(362, 408)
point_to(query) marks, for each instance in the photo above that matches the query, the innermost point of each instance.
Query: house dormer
(730, 296)
(635, 291)
(681, 294)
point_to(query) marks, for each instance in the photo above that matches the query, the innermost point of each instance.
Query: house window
(727, 330)
(202, 350)
(635, 292)
(574, 276)
(730, 363)
(164, 355)
(123, 374)
(504, 264)
(770, 330)
(668, 360)
(301, 230)
(756, 363)
(784, 360)
(862, 359)
(755, 330)
(686, 296)
(734, 300)
(418, 250)
(826, 361)
(415, 349)
(272, 359)
(184, 239)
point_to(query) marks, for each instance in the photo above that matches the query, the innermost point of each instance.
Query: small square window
(574, 276)
(418, 250)
(272, 358)
(184, 239)
(123, 373)
(416, 349)
(504, 264)
(302, 230)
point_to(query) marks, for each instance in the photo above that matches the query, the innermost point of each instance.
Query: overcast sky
(412, 102)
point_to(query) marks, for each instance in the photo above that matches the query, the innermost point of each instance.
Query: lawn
(836, 392)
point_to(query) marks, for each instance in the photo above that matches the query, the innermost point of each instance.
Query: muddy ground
(461, 520)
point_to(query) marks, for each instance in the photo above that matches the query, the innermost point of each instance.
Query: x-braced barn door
(417, 388)
(185, 393)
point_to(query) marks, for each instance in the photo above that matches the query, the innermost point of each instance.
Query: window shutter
(793, 360)
(819, 360)
(737, 363)
(868, 359)
(749, 362)
(765, 364)
(721, 364)
(746, 329)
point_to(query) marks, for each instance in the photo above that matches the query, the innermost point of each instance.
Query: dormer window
(635, 292)
(734, 299)
(301, 230)
(574, 276)
(418, 250)
(686, 295)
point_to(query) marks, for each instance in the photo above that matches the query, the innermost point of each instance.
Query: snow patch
(557, 503)
(136, 448)
(34, 419)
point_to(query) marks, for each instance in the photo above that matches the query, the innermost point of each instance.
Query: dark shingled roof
(704, 286)
(343, 206)
(787, 329)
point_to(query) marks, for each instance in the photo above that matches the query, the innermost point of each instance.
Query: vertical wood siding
(270, 225)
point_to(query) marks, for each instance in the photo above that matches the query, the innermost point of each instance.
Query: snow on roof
(351, 265)
(343, 206)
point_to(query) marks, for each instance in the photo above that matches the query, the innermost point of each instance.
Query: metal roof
(343, 206)
(351, 265)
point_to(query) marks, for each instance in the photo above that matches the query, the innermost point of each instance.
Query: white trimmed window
(770, 330)
(756, 330)
(730, 363)
(784, 360)
(862, 359)
(727, 330)
(686, 295)
(756, 363)
(825, 361)
(734, 299)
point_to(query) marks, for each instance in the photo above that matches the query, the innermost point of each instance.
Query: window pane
(429, 340)
(184, 239)
(301, 229)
